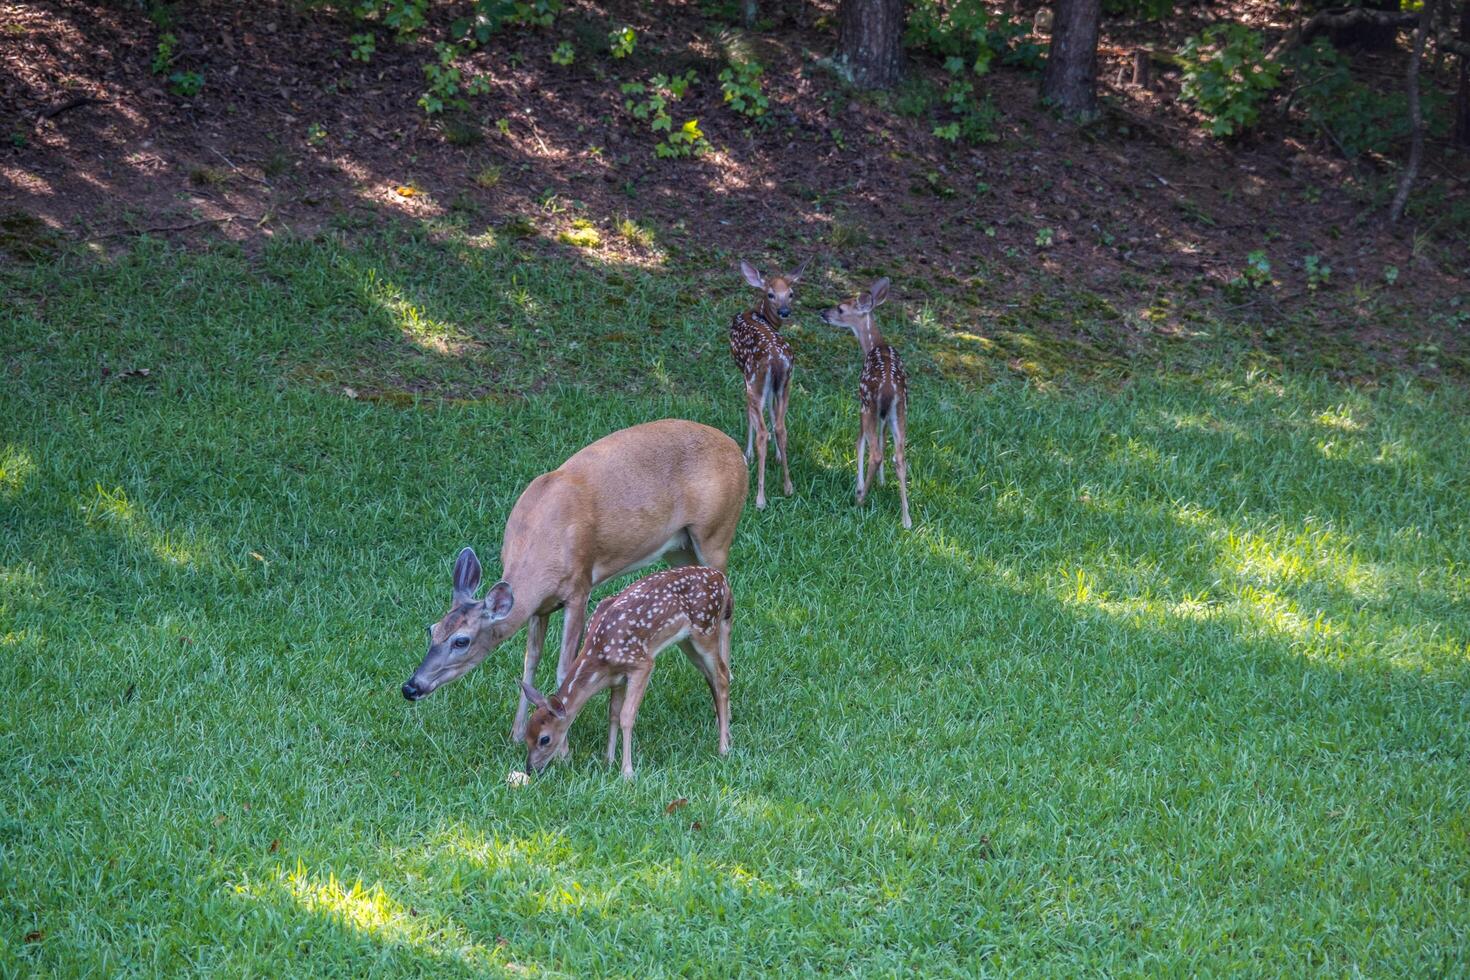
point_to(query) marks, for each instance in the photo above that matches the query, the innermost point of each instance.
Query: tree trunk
(1416, 119)
(1070, 78)
(1462, 95)
(751, 12)
(869, 35)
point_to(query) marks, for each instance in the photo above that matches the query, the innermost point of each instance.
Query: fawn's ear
(879, 291)
(466, 576)
(795, 277)
(864, 303)
(499, 601)
(751, 275)
(539, 700)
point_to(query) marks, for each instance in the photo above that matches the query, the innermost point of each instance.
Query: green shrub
(1227, 75)
(564, 54)
(741, 83)
(968, 29)
(685, 141)
(621, 42)
(976, 118)
(1355, 117)
(1141, 9)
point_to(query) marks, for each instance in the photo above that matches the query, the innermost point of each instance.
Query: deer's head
(857, 313)
(546, 732)
(467, 633)
(777, 291)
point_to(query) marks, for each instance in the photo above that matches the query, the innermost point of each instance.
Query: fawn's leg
(632, 698)
(862, 461)
(873, 440)
(614, 716)
(900, 463)
(754, 411)
(779, 401)
(535, 640)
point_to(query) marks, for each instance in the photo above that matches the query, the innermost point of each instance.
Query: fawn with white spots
(883, 392)
(692, 607)
(670, 489)
(764, 358)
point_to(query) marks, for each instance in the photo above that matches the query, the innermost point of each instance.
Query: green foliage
(364, 46)
(968, 29)
(405, 17)
(1318, 272)
(1257, 272)
(1228, 76)
(686, 140)
(741, 83)
(1045, 237)
(621, 42)
(164, 55)
(976, 117)
(1356, 118)
(185, 83)
(564, 54)
(316, 134)
(446, 81)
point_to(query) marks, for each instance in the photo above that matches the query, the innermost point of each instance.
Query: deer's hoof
(760, 503)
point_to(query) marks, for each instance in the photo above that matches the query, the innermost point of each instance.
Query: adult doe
(692, 607)
(883, 391)
(671, 489)
(765, 361)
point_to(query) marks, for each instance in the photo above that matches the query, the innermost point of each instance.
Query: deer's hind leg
(779, 400)
(756, 392)
(899, 422)
(710, 653)
(872, 440)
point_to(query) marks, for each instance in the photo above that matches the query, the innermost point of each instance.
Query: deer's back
(753, 342)
(635, 624)
(883, 378)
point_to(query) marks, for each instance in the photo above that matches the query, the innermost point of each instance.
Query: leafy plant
(1390, 274)
(363, 47)
(1226, 73)
(1141, 9)
(1045, 237)
(582, 234)
(741, 83)
(164, 55)
(685, 141)
(968, 29)
(1319, 273)
(1257, 272)
(621, 42)
(446, 82)
(1355, 117)
(976, 122)
(489, 176)
(185, 83)
(564, 54)
(316, 134)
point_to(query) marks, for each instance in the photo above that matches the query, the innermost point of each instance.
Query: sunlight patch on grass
(16, 467)
(113, 510)
(423, 331)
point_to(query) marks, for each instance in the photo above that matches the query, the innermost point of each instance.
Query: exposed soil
(1139, 210)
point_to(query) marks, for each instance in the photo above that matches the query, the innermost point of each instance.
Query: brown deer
(764, 359)
(883, 391)
(670, 489)
(692, 607)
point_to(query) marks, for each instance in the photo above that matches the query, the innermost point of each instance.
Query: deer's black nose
(411, 691)
(784, 310)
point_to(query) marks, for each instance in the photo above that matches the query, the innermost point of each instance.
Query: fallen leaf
(130, 692)
(184, 641)
(247, 807)
(350, 392)
(220, 819)
(696, 825)
(275, 845)
(502, 942)
(137, 373)
(413, 911)
(405, 191)
(257, 556)
(35, 936)
(678, 804)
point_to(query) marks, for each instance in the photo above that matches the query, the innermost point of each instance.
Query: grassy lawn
(1172, 675)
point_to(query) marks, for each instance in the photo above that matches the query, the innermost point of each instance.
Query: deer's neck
(767, 310)
(587, 677)
(868, 335)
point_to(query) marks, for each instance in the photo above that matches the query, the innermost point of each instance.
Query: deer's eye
(771, 295)
(460, 642)
(544, 740)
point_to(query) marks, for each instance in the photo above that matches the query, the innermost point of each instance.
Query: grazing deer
(883, 391)
(671, 489)
(764, 359)
(692, 607)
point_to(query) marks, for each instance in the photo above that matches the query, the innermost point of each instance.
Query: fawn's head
(777, 290)
(546, 732)
(857, 313)
(467, 633)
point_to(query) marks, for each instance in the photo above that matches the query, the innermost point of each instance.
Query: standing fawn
(764, 358)
(669, 489)
(692, 607)
(883, 391)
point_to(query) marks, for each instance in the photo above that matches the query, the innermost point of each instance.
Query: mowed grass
(1171, 675)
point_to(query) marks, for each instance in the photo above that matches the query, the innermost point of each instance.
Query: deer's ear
(879, 291)
(535, 697)
(466, 575)
(499, 602)
(795, 277)
(864, 303)
(555, 706)
(751, 275)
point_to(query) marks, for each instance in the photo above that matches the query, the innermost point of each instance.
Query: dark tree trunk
(1070, 78)
(1462, 95)
(870, 36)
(750, 13)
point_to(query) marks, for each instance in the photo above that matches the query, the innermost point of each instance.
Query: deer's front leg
(614, 719)
(632, 698)
(535, 641)
(757, 422)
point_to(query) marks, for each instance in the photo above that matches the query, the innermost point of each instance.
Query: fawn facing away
(883, 391)
(692, 607)
(670, 489)
(764, 359)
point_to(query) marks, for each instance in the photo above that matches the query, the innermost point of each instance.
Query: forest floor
(1097, 246)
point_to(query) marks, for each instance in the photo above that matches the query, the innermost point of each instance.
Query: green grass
(1172, 676)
